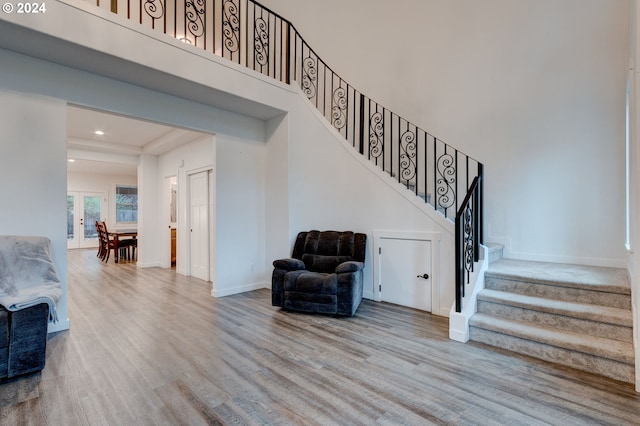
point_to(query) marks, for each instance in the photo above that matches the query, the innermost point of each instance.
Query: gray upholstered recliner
(323, 275)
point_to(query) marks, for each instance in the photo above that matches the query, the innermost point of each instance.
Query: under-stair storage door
(405, 273)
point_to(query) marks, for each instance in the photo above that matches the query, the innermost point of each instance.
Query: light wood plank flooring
(147, 346)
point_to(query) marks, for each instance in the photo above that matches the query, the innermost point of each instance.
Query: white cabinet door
(405, 272)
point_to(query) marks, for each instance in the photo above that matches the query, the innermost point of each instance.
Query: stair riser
(584, 362)
(579, 295)
(546, 319)
(495, 255)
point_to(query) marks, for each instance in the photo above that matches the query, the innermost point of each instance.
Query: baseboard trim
(149, 265)
(237, 290)
(538, 257)
(586, 261)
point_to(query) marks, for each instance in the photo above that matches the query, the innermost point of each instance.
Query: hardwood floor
(147, 346)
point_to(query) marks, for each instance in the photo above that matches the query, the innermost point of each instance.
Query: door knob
(425, 276)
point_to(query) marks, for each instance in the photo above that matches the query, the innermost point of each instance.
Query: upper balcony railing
(251, 35)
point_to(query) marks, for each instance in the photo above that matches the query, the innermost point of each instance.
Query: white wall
(241, 191)
(33, 164)
(149, 223)
(279, 235)
(532, 88)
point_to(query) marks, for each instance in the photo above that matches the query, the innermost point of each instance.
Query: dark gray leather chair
(323, 275)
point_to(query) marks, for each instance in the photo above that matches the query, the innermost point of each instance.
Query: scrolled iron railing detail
(339, 108)
(446, 181)
(468, 239)
(154, 8)
(231, 25)
(408, 155)
(376, 135)
(195, 12)
(261, 40)
(310, 77)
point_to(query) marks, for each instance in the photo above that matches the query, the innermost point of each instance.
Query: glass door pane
(72, 240)
(91, 214)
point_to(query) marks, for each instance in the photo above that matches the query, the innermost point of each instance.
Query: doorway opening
(111, 151)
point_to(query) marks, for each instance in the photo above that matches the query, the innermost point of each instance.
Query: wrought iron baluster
(407, 151)
(153, 8)
(310, 77)
(444, 183)
(425, 172)
(339, 108)
(230, 26)
(194, 13)
(261, 42)
(468, 240)
(376, 135)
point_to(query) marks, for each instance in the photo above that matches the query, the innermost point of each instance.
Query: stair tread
(606, 348)
(611, 280)
(599, 313)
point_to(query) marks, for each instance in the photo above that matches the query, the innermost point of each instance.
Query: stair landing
(597, 277)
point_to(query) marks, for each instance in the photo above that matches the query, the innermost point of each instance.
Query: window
(126, 203)
(628, 163)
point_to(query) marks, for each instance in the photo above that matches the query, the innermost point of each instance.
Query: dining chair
(125, 246)
(102, 248)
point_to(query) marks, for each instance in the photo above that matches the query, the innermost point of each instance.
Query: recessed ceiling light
(71, 160)
(99, 132)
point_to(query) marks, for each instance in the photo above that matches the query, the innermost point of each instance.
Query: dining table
(117, 235)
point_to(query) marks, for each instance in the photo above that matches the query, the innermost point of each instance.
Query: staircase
(577, 316)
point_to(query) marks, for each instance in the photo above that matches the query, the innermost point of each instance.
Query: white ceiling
(124, 139)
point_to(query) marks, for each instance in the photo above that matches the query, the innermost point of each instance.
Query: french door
(83, 210)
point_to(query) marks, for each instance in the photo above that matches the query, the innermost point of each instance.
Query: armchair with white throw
(29, 292)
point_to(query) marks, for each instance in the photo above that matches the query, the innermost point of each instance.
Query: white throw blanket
(27, 274)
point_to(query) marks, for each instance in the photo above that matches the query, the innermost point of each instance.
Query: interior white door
(83, 210)
(405, 272)
(199, 224)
